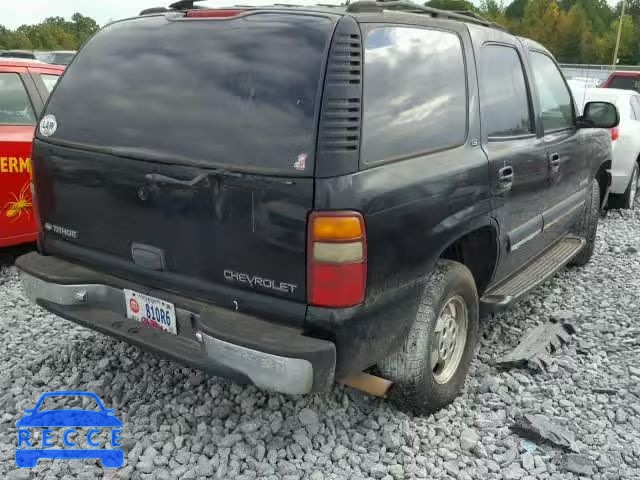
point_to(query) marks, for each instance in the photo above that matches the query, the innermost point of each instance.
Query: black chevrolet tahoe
(293, 196)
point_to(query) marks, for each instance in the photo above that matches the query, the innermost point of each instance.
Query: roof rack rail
(407, 6)
(472, 14)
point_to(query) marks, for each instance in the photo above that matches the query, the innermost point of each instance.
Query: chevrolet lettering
(256, 281)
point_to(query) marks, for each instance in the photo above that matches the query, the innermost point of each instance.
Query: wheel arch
(479, 251)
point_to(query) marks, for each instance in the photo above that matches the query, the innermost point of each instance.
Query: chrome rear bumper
(303, 365)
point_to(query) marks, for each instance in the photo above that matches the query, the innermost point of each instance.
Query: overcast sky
(16, 13)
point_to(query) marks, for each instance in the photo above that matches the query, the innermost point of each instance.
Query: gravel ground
(181, 424)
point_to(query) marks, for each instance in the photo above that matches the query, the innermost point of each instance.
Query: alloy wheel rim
(449, 339)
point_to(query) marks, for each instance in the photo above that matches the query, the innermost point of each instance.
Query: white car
(625, 140)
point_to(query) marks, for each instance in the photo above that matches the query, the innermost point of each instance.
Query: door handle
(554, 162)
(505, 178)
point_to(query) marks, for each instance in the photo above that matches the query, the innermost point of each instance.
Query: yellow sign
(15, 165)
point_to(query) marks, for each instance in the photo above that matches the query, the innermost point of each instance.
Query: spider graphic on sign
(19, 205)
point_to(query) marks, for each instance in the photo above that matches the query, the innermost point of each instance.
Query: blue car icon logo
(65, 422)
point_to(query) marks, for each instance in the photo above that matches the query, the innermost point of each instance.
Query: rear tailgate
(182, 153)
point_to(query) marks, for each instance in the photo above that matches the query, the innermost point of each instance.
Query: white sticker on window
(48, 125)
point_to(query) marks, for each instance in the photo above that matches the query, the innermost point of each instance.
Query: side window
(49, 81)
(15, 107)
(415, 93)
(635, 107)
(555, 100)
(504, 97)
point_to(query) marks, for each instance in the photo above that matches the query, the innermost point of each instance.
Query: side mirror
(599, 115)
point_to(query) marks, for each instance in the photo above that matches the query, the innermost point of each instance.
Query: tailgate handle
(163, 179)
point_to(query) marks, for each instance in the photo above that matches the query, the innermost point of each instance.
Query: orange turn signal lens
(337, 227)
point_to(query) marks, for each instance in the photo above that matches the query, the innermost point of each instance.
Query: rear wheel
(429, 370)
(587, 225)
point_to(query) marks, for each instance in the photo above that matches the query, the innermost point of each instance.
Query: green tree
(494, 12)
(453, 5)
(575, 41)
(54, 33)
(541, 22)
(515, 10)
(598, 12)
(83, 27)
(605, 45)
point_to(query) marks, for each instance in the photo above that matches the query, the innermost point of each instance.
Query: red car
(623, 81)
(24, 88)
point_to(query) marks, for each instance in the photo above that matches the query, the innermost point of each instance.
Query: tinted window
(414, 93)
(505, 102)
(555, 101)
(49, 81)
(44, 56)
(63, 58)
(56, 58)
(240, 94)
(15, 107)
(635, 106)
(625, 83)
(18, 55)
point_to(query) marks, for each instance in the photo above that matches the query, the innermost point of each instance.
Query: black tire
(628, 199)
(414, 386)
(587, 226)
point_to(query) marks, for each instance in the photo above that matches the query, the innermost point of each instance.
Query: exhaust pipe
(368, 383)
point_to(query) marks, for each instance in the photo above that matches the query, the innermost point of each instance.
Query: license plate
(151, 311)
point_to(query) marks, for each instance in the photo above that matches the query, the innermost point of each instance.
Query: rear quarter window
(49, 81)
(15, 106)
(415, 94)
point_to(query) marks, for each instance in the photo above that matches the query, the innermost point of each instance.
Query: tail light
(218, 13)
(615, 133)
(337, 259)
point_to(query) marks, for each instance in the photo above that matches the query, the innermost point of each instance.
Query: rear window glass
(626, 83)
(415, 94)
(15, 107)
(241, 94)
